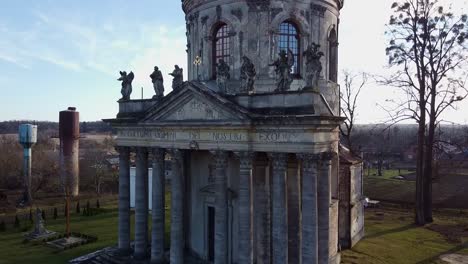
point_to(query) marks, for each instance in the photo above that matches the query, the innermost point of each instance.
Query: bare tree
(427, 47)
(349, 98)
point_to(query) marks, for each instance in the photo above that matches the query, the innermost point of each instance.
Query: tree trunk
(429, 159)
(420, 218)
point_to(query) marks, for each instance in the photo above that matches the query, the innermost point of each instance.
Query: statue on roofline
(126, 80)
(313, 65)
(222, 75)
(283, 68)
(158, 83)
(178, 75)
(247, 76)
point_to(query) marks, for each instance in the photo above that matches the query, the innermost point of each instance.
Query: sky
(55, 54)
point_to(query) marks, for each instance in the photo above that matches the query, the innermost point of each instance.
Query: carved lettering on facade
(268, 136)
(264, 136)
(227, 136)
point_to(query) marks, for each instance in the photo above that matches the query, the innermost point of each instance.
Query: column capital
(245, 157)
(220, 157)
(327, 156)
(122, 149)
(309, 157)
(279, 159)
(176, 154)
(158, 153)
(141, 151)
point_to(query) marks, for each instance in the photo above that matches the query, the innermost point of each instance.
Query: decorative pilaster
(124, 200)
(280, 221)
(221, 210)
(324, 201)
(177, 208)
(245, 237)
(141, 204)
(158, 204)
(309, 171)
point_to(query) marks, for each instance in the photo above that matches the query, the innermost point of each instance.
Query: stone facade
(351, 212)
(254, 174)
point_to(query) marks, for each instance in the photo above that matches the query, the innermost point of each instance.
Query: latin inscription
(217, 136)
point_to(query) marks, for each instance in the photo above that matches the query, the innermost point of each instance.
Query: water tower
(69, 134)
(27, 138)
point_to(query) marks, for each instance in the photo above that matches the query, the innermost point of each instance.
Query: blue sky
(60, 53)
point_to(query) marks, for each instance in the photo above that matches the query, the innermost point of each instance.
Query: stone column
(141, 204)
(221, 210)
(262, 211)
(324, 201)
(245, 237)
(124, 200)
(177, 208)
(158, 207)
(309, 171)
(280, 222)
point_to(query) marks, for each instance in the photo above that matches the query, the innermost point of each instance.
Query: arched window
(221, 45)
(333, 56)
(289, 39)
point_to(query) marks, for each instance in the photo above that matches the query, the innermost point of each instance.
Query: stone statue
(39, 223)
(283, 70)
(313, 65)
(178, 75)
(158, 82)
(247, 76)
(222, 75)
(126, 84)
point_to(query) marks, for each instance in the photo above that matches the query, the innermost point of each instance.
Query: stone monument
(247, 76)
(178, 77)
(39, 232)
(283, 67)
(158, 83)
(222, 76)
(126, 80)
(313, 65)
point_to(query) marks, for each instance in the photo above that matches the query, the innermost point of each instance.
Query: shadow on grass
(451, 251)
(391, 231)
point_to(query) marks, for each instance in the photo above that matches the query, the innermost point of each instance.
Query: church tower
(260, 30)
(252, 138)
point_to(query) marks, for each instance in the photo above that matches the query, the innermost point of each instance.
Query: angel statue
(158, 82)
(283, 70)
(313, 65)
(178, 75)
(247, 75)
(222, 75)
(126, 84)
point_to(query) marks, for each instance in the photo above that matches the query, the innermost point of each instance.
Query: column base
(336, 259)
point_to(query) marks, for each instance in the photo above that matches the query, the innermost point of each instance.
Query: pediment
(192, 105)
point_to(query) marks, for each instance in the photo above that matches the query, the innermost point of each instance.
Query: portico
(232, 168)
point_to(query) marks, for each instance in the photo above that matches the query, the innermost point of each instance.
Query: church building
(252, 137)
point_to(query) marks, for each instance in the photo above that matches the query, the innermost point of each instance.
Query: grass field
(390, 238)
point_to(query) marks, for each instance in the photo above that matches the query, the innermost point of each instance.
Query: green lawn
(391, 238)
(103, 226)
(386, 174)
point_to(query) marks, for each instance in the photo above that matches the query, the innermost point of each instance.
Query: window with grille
(289, 40)
(221, 44)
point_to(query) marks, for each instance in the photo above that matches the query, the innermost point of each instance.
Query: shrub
(78, 209)
(55, 213)
(17, 222)
(98, 205)
(43, 215)
(2, 226)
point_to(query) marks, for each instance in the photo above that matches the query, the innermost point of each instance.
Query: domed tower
(231, 29)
